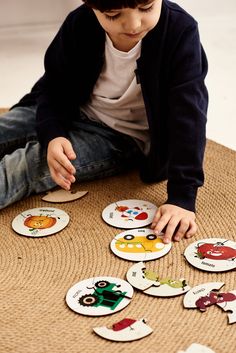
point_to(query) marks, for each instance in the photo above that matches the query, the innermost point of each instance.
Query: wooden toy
(213, 254)
(61, 195)
(99, 296)
(197, 348)
(125, 330)
(40, 222)
(227, 301)
(152, 284)
(202, 296)
(129, 214)
(139, 245)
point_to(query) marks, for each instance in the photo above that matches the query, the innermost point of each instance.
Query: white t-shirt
(117, 99)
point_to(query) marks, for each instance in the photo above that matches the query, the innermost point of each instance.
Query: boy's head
(126, 21)
(106, 5)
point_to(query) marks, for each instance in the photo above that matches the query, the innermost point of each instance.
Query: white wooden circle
(129, 214)
(99, 296)
(212, 254)
(40, 222)
(139, 244)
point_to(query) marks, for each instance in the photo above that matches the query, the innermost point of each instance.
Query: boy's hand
(59, 154)
(175, 222)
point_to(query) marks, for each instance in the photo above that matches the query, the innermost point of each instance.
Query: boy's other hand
(59, 155)
(175, 222)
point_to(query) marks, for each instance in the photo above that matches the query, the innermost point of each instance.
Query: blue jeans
(100, 152)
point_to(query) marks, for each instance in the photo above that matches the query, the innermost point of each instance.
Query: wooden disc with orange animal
(40, 222)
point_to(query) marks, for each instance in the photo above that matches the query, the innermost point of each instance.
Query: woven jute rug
(35, 274)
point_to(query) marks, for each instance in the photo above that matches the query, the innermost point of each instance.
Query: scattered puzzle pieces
(125, 330)
(99, 296)
(129, 214)
(139, 245)
(212, 255)
(197, 348)
(202, 295)
(61, 195)
(40, 222)
(150, 282)
(227, 301)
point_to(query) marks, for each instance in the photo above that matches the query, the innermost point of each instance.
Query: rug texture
(35, 274)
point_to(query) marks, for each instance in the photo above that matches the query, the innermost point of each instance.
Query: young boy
(123, 87)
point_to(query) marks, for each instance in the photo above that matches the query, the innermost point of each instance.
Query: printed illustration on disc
(99, 296)
(129, 214)
(40, 222)
(139, 245)
(213, 254)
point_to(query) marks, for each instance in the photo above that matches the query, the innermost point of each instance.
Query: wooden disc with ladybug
(212, 255)
(40, 222)
(129, 214)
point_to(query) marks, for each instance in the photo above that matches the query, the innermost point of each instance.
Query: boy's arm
(187, 100)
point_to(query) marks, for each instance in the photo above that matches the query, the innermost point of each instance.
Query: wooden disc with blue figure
(40, 222)
(212, 254)
(129, 214)
(99, 296)
(140, 244)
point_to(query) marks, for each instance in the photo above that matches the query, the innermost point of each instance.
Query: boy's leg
(100, 152)
(16, 128)
(19, 153)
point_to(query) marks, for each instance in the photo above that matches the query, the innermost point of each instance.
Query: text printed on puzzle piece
(212, 255)
(153, 284)
(40, 222)
(99, 296)
(139, 245)
(129, 214)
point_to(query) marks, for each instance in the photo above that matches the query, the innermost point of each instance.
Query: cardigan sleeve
(53, 101)
(187, 109)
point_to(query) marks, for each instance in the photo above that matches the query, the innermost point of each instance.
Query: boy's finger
(163, 221)
(156, 219)
(68, 150)
(170, 229)
(182, 230)
(65, 163)
(192, 230)
(61, 171)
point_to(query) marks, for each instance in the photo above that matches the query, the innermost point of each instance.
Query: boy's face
(126, 26)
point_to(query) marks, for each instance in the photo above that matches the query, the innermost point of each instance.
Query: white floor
(22, 50)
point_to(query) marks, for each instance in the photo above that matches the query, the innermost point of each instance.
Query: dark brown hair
(106, 5)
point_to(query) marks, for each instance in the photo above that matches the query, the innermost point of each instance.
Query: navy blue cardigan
(171, 70)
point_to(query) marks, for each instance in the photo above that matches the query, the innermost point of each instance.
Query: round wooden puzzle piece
(139, 244)
(152, 283)
(213, 254)
(129, 214)
(99, 296)
(61, 195)
(125, 330)
(40, 222)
